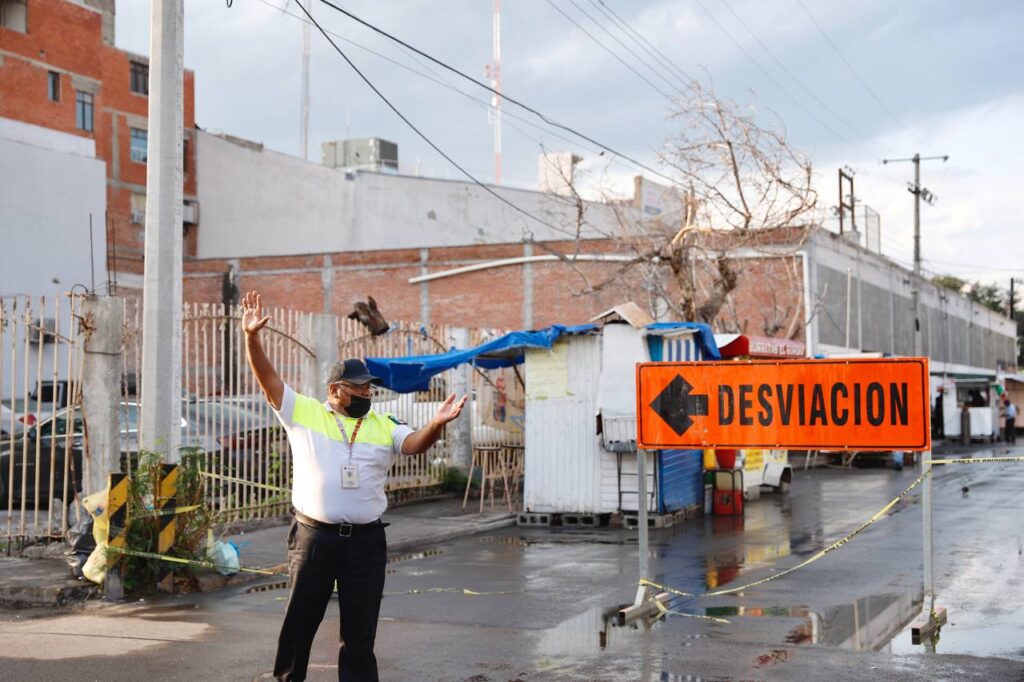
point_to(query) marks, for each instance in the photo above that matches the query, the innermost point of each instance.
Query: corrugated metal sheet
(677, 347)
(680, 479)
(563, 450)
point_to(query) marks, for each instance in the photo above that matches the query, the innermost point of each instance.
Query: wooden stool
(491, 462)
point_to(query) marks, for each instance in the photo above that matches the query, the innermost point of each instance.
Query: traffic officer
(341, 453)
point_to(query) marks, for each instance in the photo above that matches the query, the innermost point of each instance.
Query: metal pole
(161, 331)
(926, 494)
(496, 84)
(641, 505)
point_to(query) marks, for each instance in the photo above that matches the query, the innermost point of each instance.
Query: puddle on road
(1001, 640)
(869, 624)
(411, 556)
(268, 587)
(589, 632)
(514, 540)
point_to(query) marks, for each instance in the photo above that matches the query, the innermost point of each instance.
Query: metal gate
(42, 434)
(225, 416)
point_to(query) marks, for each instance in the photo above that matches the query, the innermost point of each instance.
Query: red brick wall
(767, 298)
(62, 37)
(66, 37)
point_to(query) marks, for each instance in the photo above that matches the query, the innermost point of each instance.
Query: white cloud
(973, 228)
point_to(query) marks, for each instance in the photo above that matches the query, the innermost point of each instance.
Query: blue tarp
(705, 335)
(413, 373)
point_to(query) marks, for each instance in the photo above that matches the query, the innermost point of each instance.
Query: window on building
(83, 110)
(53, 86)
(138, 209)
(14, 15)
(140, 143)
(140, 78)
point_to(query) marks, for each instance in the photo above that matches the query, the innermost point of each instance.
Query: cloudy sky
(852, 83)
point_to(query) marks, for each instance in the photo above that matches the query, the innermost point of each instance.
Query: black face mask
(358, 406)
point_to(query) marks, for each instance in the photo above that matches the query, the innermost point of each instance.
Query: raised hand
(449, 410)
(253, 318)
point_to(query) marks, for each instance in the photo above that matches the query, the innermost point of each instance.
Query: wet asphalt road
(549, 598)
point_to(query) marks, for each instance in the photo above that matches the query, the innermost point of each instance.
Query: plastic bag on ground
(223, 555)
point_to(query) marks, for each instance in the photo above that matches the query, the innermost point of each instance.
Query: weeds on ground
(139, 573)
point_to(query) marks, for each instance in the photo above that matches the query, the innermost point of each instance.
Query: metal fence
(224, 414)
(225, 417)
(41, 429)
(411, 338)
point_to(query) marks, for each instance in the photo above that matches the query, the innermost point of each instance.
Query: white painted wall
(50, 182)
(256, 202)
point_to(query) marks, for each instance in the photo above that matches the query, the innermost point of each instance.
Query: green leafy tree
(988, 295)
(950, 282)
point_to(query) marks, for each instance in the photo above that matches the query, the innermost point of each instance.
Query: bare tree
(739, 188)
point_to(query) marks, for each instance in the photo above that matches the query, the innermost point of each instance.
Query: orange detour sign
(801, 404)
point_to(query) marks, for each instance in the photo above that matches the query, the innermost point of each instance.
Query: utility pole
(304, 84)
(494, 70)
(920, 192)
(847, 175)
(1010, 304)
(161, 311)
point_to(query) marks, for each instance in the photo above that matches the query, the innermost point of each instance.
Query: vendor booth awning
(747, 345)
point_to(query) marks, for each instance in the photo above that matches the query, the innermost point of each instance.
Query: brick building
(60, 69)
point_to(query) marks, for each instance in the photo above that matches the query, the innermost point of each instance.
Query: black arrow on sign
(675, 405)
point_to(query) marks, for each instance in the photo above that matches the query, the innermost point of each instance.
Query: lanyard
(344, 436)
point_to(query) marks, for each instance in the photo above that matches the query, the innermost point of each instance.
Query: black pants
(316, 558)
(1011, 430)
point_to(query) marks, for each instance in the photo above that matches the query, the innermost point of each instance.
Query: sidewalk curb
(34, 596)
(409, 544)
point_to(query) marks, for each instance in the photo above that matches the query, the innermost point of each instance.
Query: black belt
(342, 529)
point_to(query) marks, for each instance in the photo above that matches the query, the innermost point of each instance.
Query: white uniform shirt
(319, 451)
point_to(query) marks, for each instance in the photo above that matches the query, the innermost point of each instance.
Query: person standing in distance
(1011, 422)
(341, 453)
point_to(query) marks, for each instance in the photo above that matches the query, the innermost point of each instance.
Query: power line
(438, 80)
(497, 93)
(850, 66)
(792, 76)
(621, 44)
(780, 86)
(418, 131)
(641, 40)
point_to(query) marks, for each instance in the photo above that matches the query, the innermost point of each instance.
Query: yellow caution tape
(839, 543)
(466, 592)
(665, 611)
(834, 546)
(665, 588)
(191, 562)
(167, 512)
(977, 460)
(232, 479)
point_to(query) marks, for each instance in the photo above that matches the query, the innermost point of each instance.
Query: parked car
(209, 426)
(13, 420)
(52, 439)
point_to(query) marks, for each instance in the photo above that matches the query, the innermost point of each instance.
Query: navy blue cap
(353, 371)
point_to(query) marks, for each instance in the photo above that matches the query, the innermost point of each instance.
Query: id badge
(349, 476)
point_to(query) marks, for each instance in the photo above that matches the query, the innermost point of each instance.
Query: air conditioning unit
(190, 212)
(138, 217)
(373, 154)
(48, 325)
